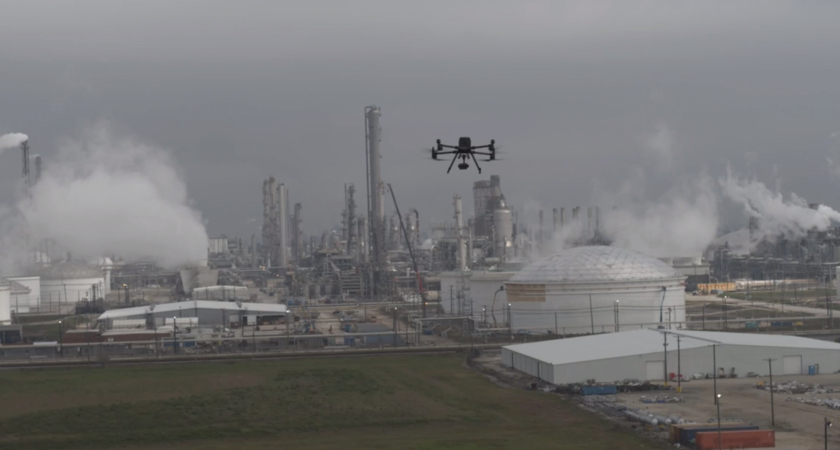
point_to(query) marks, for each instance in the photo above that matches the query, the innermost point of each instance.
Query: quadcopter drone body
(465, 150)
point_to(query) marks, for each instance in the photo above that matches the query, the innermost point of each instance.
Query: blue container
(812, 370)
(599, 390)
(688, 435)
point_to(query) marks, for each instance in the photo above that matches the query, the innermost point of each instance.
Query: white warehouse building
(595, 289)
(639, 355)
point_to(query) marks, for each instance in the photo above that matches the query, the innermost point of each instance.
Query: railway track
(171, 359)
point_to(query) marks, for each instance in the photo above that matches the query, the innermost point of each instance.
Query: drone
(465, 150)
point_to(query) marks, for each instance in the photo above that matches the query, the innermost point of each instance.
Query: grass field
(417, 402)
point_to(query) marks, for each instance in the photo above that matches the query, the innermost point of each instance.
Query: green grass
(419, 402)
(49, 331)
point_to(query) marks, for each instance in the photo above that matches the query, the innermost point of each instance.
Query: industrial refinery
(504, 282)
(554, 270)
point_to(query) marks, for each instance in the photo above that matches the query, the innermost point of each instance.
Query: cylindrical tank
(503, 230)
(5, 302)
(459, 230)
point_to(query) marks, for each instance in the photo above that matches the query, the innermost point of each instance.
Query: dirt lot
(798, 426)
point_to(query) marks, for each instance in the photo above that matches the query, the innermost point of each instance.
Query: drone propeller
(430, 151)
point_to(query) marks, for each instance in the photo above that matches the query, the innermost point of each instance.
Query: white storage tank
(502, 231)
(594, 289)
(5, 302)
(67, 283)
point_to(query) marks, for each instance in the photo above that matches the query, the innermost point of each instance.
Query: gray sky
(576, 91)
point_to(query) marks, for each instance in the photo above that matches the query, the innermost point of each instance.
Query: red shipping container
(708, 440)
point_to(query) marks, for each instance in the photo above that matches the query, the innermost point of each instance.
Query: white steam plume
(775, 216)
(660, 146)
(681, 223)
(12, 140)
(113, 195)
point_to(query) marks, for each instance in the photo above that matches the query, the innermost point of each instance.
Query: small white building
(640, 355)
(23, 301)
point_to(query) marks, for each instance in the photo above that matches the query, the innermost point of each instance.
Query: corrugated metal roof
(192, 305)
(643, 342)
(595, 264)
(599, 346)
(759, 340)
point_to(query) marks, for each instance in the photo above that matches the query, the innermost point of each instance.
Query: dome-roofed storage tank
(594, 289)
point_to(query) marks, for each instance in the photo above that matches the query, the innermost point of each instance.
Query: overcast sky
(579, 93)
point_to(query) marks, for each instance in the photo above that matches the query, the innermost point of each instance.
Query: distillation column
(282, 220)
(376, 207)
(459, 229)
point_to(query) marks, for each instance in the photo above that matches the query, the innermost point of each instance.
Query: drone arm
(476, 162)
(482, 153)
(447, 146)
(447, 152)
(481, 146)
(452, 163)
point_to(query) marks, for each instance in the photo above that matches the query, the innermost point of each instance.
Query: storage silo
(596, 289)
(502, 231)
(5, 302)
(69, 282)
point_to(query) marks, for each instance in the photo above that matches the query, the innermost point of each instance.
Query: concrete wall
(697, 360)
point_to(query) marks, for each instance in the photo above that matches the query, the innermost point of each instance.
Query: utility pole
(510, 322)
(665, 366)
(772, 410)
(175, 335)
(616, 316)
(725, 319)
(714, 372)
(679, 366)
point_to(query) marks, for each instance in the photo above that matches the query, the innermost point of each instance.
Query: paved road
(819, 312)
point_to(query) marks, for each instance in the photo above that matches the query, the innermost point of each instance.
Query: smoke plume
(774, 216)
(105, 194)
(681, 222)
(11, 140)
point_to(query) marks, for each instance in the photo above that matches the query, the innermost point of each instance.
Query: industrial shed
(639, 355)
(205, 312)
